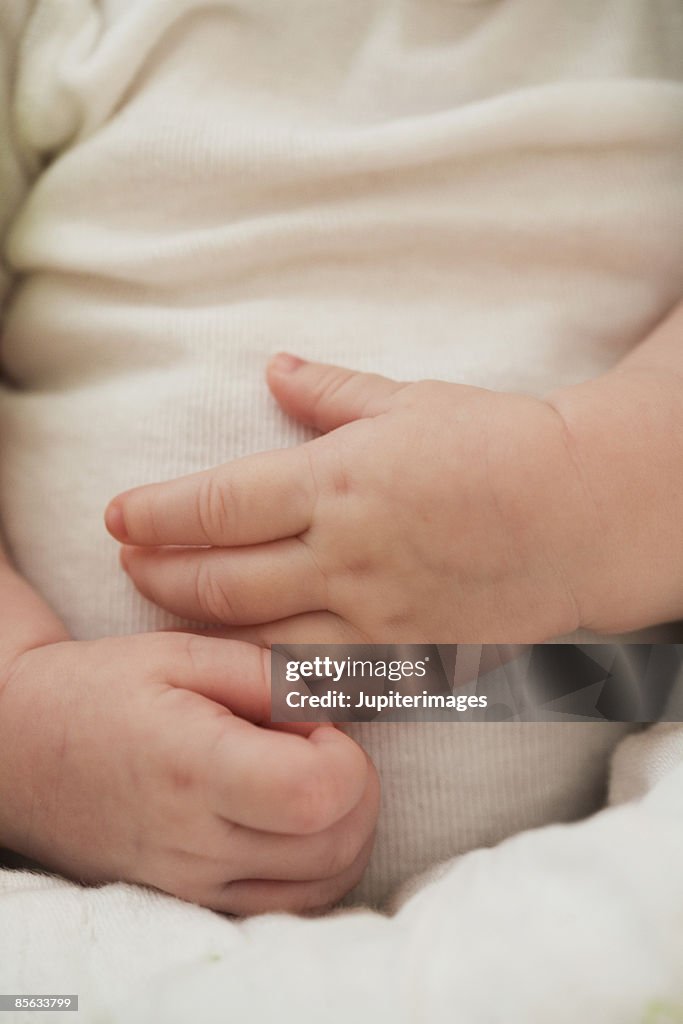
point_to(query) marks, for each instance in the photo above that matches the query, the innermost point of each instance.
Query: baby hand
(428, 512)
(143, 759)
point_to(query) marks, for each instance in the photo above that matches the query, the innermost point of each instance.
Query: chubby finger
(210, 690)
(230, 673)
(281, 782)
(325, 396)
(234, 586)
(321, 627)
(262, 778)
(263, 896)
(252, 500)
(296, 858)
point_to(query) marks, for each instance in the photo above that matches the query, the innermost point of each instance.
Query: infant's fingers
(322, 627)
(327, 396)
(264, 896)
(236, 586)
(251, 701)
(234, 674)
(264, 779)
(255, 499)
(310, 857)
(280, 782)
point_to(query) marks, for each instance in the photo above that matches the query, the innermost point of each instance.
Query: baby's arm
(433, 511)
(26, 620)
(144, 759)
(625, 433)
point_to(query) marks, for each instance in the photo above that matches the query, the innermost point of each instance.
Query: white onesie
(414, 187)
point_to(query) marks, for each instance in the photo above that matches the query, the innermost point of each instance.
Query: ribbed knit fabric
(481, 192)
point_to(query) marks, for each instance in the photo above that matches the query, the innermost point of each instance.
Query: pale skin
(425, 512)
(146, 759)
(432, 512)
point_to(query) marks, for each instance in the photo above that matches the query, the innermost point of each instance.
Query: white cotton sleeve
(564, 923)
(14, 164)
(39, 109)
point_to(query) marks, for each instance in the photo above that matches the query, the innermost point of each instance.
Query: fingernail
(284, 362)
(114, 521)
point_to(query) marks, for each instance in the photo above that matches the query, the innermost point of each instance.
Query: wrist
(624, 436)
(27, 621)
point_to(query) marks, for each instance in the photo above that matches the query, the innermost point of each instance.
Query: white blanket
(487, 192)
(569, 924)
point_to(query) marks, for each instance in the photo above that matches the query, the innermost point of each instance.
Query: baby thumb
(324, 396)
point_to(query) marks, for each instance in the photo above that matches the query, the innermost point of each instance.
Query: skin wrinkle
(214, 500)
(213, 595)
(180, 778)
(214, 763)
(572, 451)
(492, 489)
(328, 390)
(316, 492)
(322, 576)
(581, 475)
